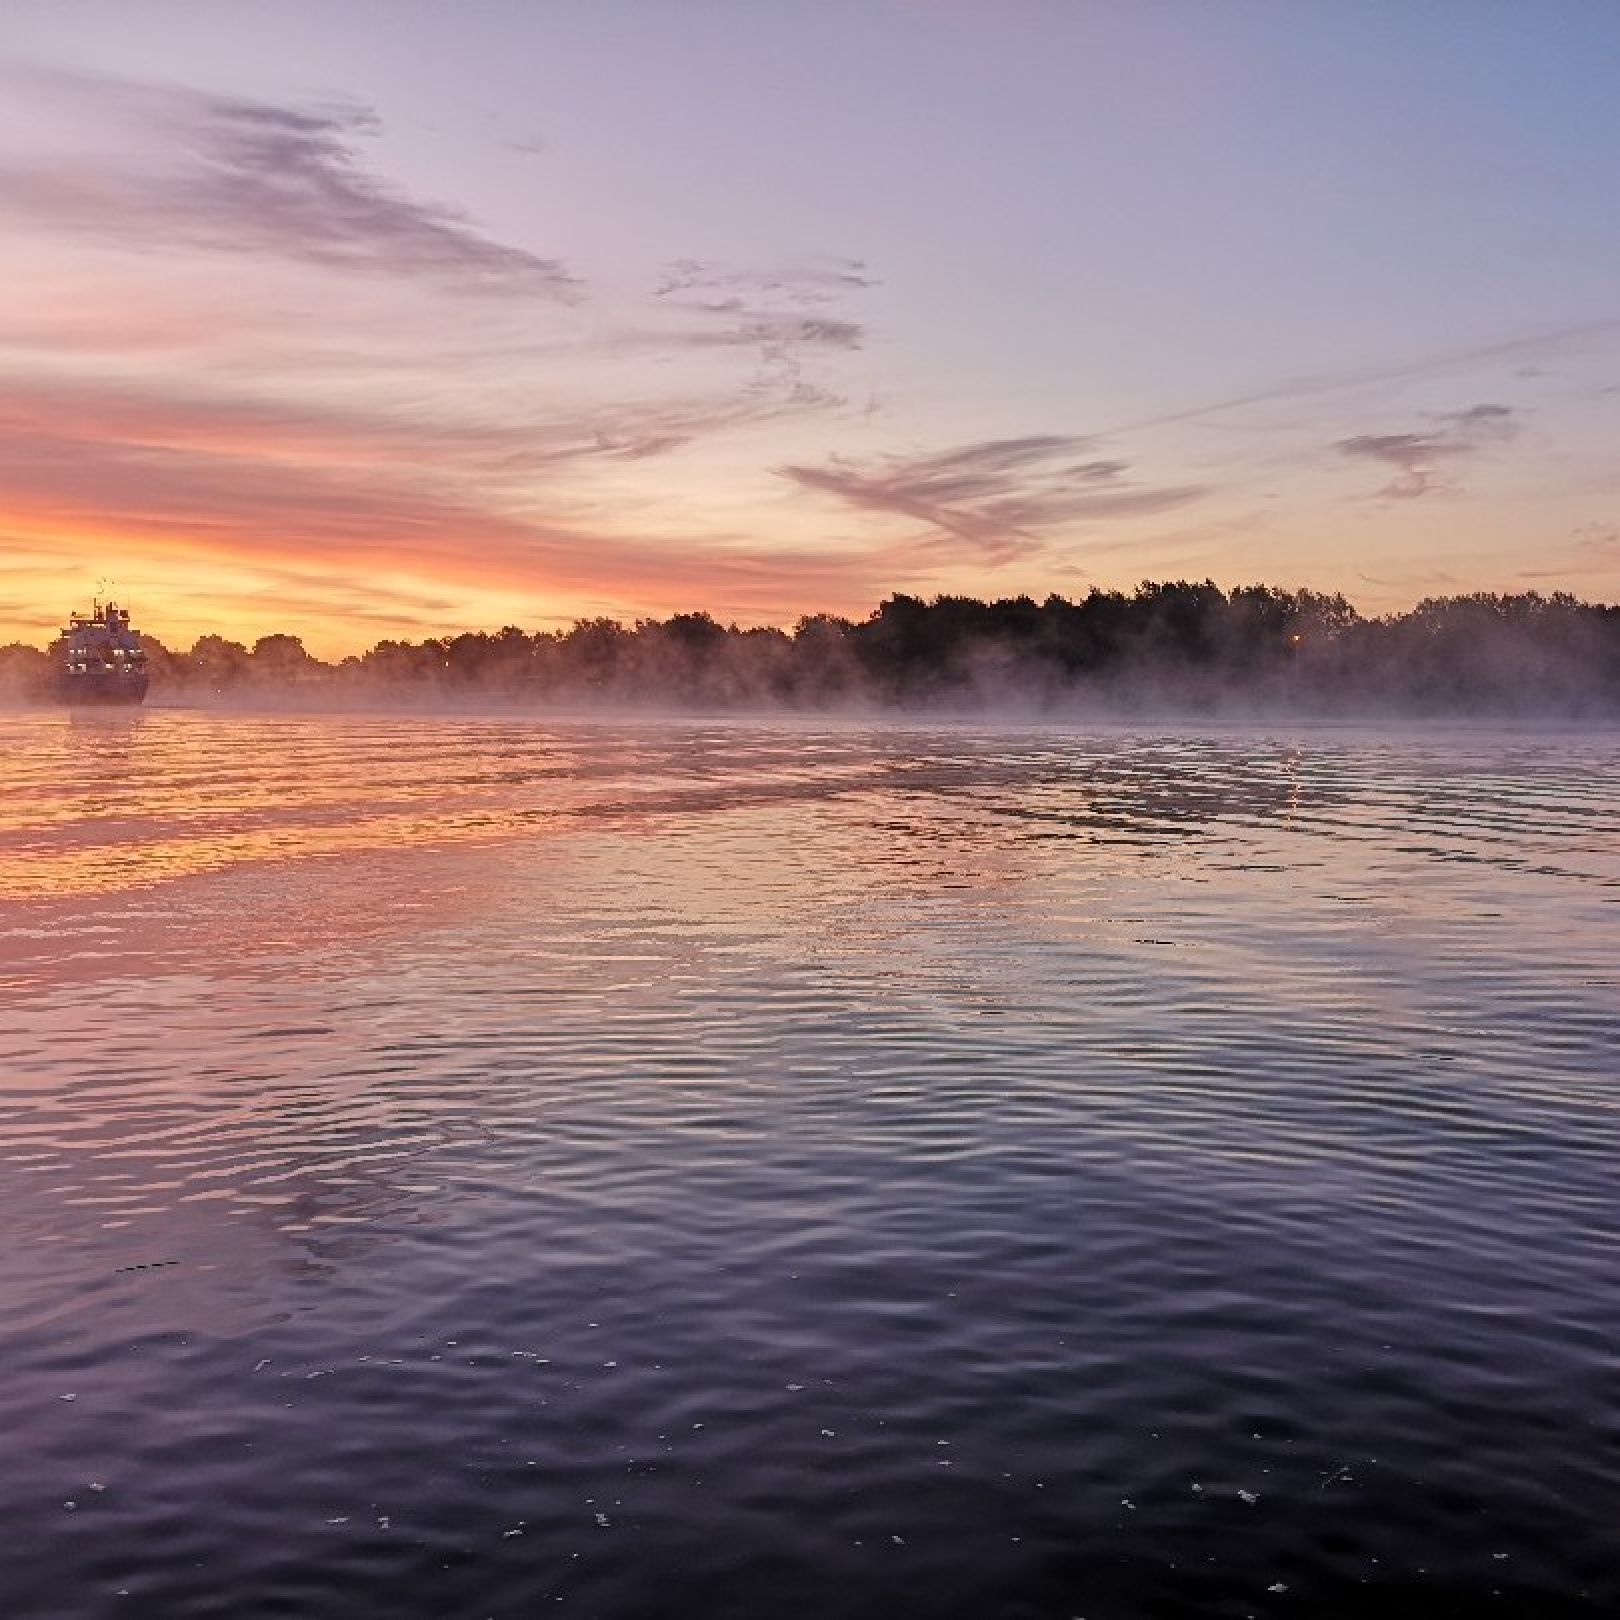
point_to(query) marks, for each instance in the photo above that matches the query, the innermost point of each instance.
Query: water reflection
(940, 1170)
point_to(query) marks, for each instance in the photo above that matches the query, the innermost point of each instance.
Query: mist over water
(477, 1165)
(1170, 649)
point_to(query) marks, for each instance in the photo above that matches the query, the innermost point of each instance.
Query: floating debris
(1248, 1497)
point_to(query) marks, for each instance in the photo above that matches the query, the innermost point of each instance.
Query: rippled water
(487, 1167)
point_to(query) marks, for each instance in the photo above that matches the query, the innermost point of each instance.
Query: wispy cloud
(497, 450)
(806, 282)
(250, 515)
(465, 460)
(1560, 340)
(177, 169)
(744, 328)
(254, 490)
(1599, 541)
(1593, 549)
(998, 496)
(1426, 463)
(783, 314)
(1417, 580)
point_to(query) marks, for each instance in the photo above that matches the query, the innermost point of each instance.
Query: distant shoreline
(1174, 649)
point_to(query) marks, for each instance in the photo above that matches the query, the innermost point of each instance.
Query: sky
(375, 318)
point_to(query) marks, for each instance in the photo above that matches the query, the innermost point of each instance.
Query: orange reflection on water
(95, 805)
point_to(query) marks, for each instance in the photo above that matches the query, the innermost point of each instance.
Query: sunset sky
(363, 318)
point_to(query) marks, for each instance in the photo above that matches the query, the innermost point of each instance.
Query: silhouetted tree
(218, 664)
(24, 672)
(281, 660)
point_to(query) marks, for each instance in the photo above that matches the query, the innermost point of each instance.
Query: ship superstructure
(99, 658)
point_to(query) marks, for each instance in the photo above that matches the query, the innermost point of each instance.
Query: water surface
(491, 1167)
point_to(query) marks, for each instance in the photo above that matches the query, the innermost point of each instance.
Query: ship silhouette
(98, 659)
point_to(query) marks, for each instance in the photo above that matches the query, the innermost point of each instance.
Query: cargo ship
(99, 659)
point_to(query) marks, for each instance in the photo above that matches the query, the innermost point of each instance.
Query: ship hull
(100, 691)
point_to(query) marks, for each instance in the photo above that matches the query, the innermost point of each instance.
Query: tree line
(1172, 645)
